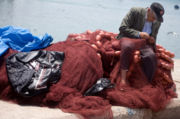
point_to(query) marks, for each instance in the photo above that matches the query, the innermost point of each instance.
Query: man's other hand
(151, 40)
(144, 35)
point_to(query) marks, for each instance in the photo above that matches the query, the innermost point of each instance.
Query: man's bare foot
(122, 84)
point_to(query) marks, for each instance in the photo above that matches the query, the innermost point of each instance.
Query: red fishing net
(88, 57)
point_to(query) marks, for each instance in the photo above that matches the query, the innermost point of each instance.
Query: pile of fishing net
(88, 57)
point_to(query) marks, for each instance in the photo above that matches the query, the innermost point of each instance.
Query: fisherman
(140, 23)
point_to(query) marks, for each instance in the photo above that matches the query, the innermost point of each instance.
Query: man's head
(155, 12)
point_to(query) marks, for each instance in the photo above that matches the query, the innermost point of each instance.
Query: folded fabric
(31, 73)
(21, 40)
(100, 85)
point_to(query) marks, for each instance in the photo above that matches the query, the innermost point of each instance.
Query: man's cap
(158, 10)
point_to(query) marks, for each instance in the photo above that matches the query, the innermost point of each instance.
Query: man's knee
(129, 47)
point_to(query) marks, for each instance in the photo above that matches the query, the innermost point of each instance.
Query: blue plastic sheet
(3, 47)
(21, 40)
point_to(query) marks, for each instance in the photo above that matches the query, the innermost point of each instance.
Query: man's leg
(148, 62)
(127, 49)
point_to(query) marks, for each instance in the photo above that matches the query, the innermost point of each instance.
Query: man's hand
(151, 40)
(144, 35)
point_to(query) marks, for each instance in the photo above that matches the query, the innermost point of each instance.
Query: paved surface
(172, 111)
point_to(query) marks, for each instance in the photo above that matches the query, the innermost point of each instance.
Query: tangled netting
(88, 57)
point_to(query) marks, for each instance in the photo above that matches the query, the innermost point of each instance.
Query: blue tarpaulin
(21, 40)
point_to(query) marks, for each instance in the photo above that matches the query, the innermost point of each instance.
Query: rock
(127, 113)
(172, 111)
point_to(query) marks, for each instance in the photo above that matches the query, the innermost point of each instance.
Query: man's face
(151, 16)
